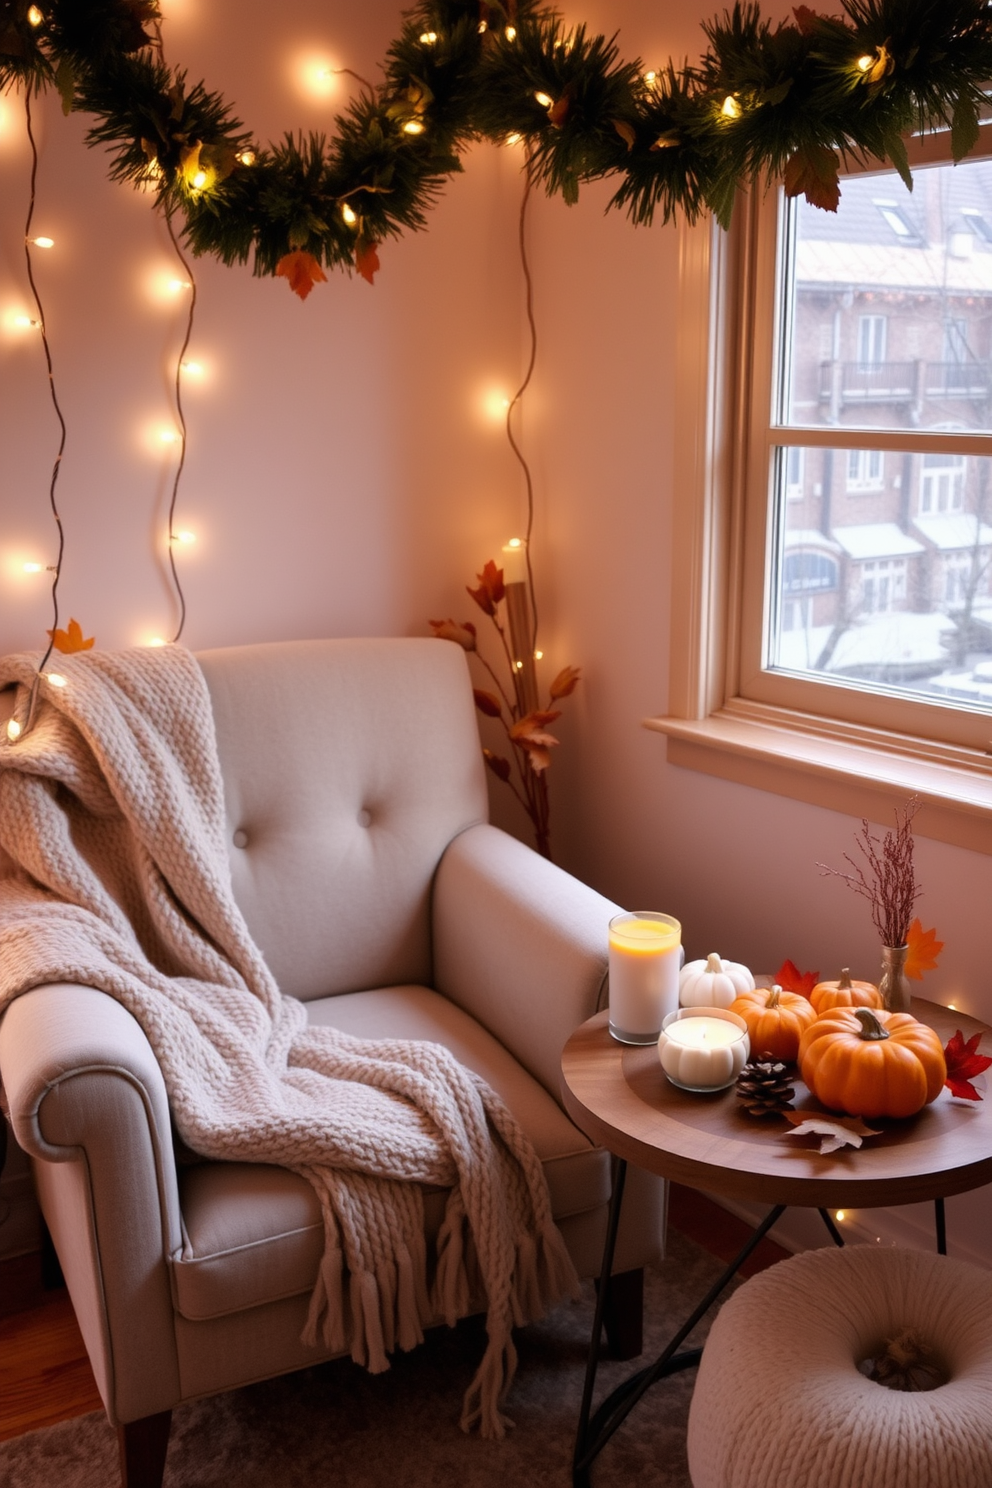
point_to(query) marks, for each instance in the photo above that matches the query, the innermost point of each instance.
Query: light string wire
(181, 416)
(516, 400)
(56, 568)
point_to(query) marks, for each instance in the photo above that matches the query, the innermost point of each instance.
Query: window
(864, 470)
(840, 625)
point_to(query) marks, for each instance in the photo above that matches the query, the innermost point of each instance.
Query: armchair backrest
(349, 765)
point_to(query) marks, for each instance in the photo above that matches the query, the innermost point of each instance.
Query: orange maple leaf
(367, 260)
(491, 588)
(462, 634)
(70, 640)
(813, 172)
(302, 270)
(531, 734)
(924, 948)
(791, 979)
(565, 682)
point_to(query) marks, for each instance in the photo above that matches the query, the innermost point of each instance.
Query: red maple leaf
(813, 172)
(963, 1062)
(302, 270)
(367, 260)
(924, 948)
(791, 979)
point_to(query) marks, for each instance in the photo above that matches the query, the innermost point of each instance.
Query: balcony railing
(903, 382)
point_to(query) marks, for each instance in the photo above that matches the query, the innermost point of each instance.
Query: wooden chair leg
(143, 1445)
(623, 1317)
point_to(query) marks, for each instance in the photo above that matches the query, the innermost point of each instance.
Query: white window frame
(872, 338)
(865, 470)
(726, 716)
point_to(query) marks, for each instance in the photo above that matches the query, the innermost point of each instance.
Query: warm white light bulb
(57, 679)
(26, 322)
(841, 1215)
(538, 655)
(158, 641)
(413, 126)
(519, 665)
(731, 108)
(13, 729)
(246, 157)
(510, 33)
(186, 538)
(33, 567)
(482, 27)
(42, 242)
(866, 63)
(513, 139)
(350, 216)
(544, 100)
(193, 369)
(651, 78)
(178, 285)
(35, 16)
(199, 180)
(168, 436)
(515, 542)
(428, 38)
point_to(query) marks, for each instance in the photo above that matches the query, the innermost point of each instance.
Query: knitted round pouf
(780, 1402)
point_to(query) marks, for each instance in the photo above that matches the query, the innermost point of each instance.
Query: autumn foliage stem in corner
(523, 768)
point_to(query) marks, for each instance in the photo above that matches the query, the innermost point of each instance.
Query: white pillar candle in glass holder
(645, 956)
(703, 1049)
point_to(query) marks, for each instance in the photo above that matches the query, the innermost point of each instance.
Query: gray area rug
(336, 1424)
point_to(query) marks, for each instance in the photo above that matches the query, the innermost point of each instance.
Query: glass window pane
(887, 584)
(888, 304)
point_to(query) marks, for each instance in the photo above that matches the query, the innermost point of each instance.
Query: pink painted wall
(343, 477)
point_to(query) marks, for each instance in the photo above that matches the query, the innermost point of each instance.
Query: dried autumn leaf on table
(302, 271)
(565, 682)
(835, 1131)
(491, 589)
(791, 979)
(813, 172)
(487, 702)
(924, 948)
(71, 639)
(531, 734)
(463, 634)
(963, 1063)
(367, 260)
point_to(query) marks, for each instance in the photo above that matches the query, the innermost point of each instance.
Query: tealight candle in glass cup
(645, 958)
(703, 1049)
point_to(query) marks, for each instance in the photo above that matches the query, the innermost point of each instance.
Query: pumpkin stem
(713, 962)
(871, 1028)
(773, 996)
(844, 985)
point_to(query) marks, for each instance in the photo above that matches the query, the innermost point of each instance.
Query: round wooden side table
(618, 1095)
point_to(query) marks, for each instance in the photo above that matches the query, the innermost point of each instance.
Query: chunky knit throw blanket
(112, 810)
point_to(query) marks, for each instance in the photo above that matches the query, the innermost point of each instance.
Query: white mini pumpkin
(713, 982)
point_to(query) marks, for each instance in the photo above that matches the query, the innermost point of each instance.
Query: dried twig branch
(887, 878)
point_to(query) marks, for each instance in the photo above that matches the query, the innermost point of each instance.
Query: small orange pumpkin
(872, 1063)
(775, 1020)
(845, 993)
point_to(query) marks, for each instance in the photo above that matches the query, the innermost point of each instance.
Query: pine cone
(764, 1087)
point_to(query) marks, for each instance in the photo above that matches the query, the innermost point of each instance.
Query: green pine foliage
(792, 100)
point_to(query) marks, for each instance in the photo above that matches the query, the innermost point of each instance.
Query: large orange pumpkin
(845, 993)
(775, 1020)
(871, 1062)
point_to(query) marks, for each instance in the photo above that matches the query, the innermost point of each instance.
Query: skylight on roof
(896, 218)
(977, 223)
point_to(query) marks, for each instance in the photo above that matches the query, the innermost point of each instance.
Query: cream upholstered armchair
(364, 866)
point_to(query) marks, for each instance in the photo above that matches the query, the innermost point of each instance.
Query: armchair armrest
(87, 1101)
(520, 945)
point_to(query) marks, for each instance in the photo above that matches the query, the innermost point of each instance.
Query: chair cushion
(348, 767)
(253, 1233)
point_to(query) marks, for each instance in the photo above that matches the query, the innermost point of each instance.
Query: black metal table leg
(835, 1233)
(593, 1434)
(941, 1224)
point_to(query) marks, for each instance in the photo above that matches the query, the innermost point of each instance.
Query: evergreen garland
(793, 100)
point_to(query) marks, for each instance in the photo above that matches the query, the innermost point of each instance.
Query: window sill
(860, 771)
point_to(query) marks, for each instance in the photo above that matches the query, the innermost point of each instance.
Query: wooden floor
(45, 1375)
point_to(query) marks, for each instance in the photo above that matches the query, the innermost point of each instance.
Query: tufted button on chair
(363, 863)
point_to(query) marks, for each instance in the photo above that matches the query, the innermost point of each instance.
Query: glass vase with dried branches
(512, 702)
(886, 877)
